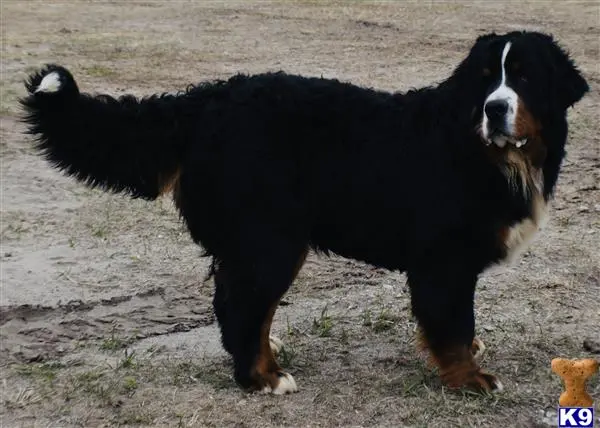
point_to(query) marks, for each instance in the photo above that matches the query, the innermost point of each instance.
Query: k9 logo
(569, 417)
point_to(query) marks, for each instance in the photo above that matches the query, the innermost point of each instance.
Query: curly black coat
(264, 167)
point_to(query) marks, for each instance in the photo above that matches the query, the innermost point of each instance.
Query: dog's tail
(121, 144)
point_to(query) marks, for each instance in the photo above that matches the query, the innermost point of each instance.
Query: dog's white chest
(520, 236)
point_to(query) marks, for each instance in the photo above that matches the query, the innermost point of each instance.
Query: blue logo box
(575, 417)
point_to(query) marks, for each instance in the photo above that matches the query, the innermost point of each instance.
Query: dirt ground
(106, 319)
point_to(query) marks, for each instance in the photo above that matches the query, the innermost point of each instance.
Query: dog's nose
(496, 109)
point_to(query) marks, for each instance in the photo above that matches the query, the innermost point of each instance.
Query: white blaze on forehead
(503, 63)
(504, 93)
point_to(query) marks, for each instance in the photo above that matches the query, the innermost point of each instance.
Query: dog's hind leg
(442, 301)
(246, 298)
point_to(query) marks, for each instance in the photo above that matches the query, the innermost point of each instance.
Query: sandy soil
(105, 317)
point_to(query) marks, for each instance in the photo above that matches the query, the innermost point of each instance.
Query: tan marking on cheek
(527, 126)
(525, 123)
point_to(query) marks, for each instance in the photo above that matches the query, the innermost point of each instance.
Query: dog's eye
(522, 77)
(518, 70)
(486, 72)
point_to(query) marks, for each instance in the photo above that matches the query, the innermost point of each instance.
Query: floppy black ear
(463, 70)
(485, 37)
(570, 86)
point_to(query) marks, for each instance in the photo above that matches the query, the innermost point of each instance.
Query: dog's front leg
(442, 302)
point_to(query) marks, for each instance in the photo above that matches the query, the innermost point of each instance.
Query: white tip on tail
(50, 83)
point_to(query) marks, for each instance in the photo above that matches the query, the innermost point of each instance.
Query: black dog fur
(264, 167)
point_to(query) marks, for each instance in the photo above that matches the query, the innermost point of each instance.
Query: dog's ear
(485, 38)
(483, 42)
(465, 70)
(569, 84)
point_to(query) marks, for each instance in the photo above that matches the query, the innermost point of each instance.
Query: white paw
(276, 345)
(479, 349)
(497, 386)
(50, 83)
(286, 385)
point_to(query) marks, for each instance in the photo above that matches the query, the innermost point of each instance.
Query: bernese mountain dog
(439, 182)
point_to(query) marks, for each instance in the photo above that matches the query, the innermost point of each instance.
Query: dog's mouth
(501, 139)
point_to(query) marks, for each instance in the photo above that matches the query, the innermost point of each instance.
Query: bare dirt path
(105, 318)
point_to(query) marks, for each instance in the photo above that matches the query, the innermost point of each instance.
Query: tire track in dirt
(37, 332)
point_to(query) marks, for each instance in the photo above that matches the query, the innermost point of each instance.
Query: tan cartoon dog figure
(574, 374)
